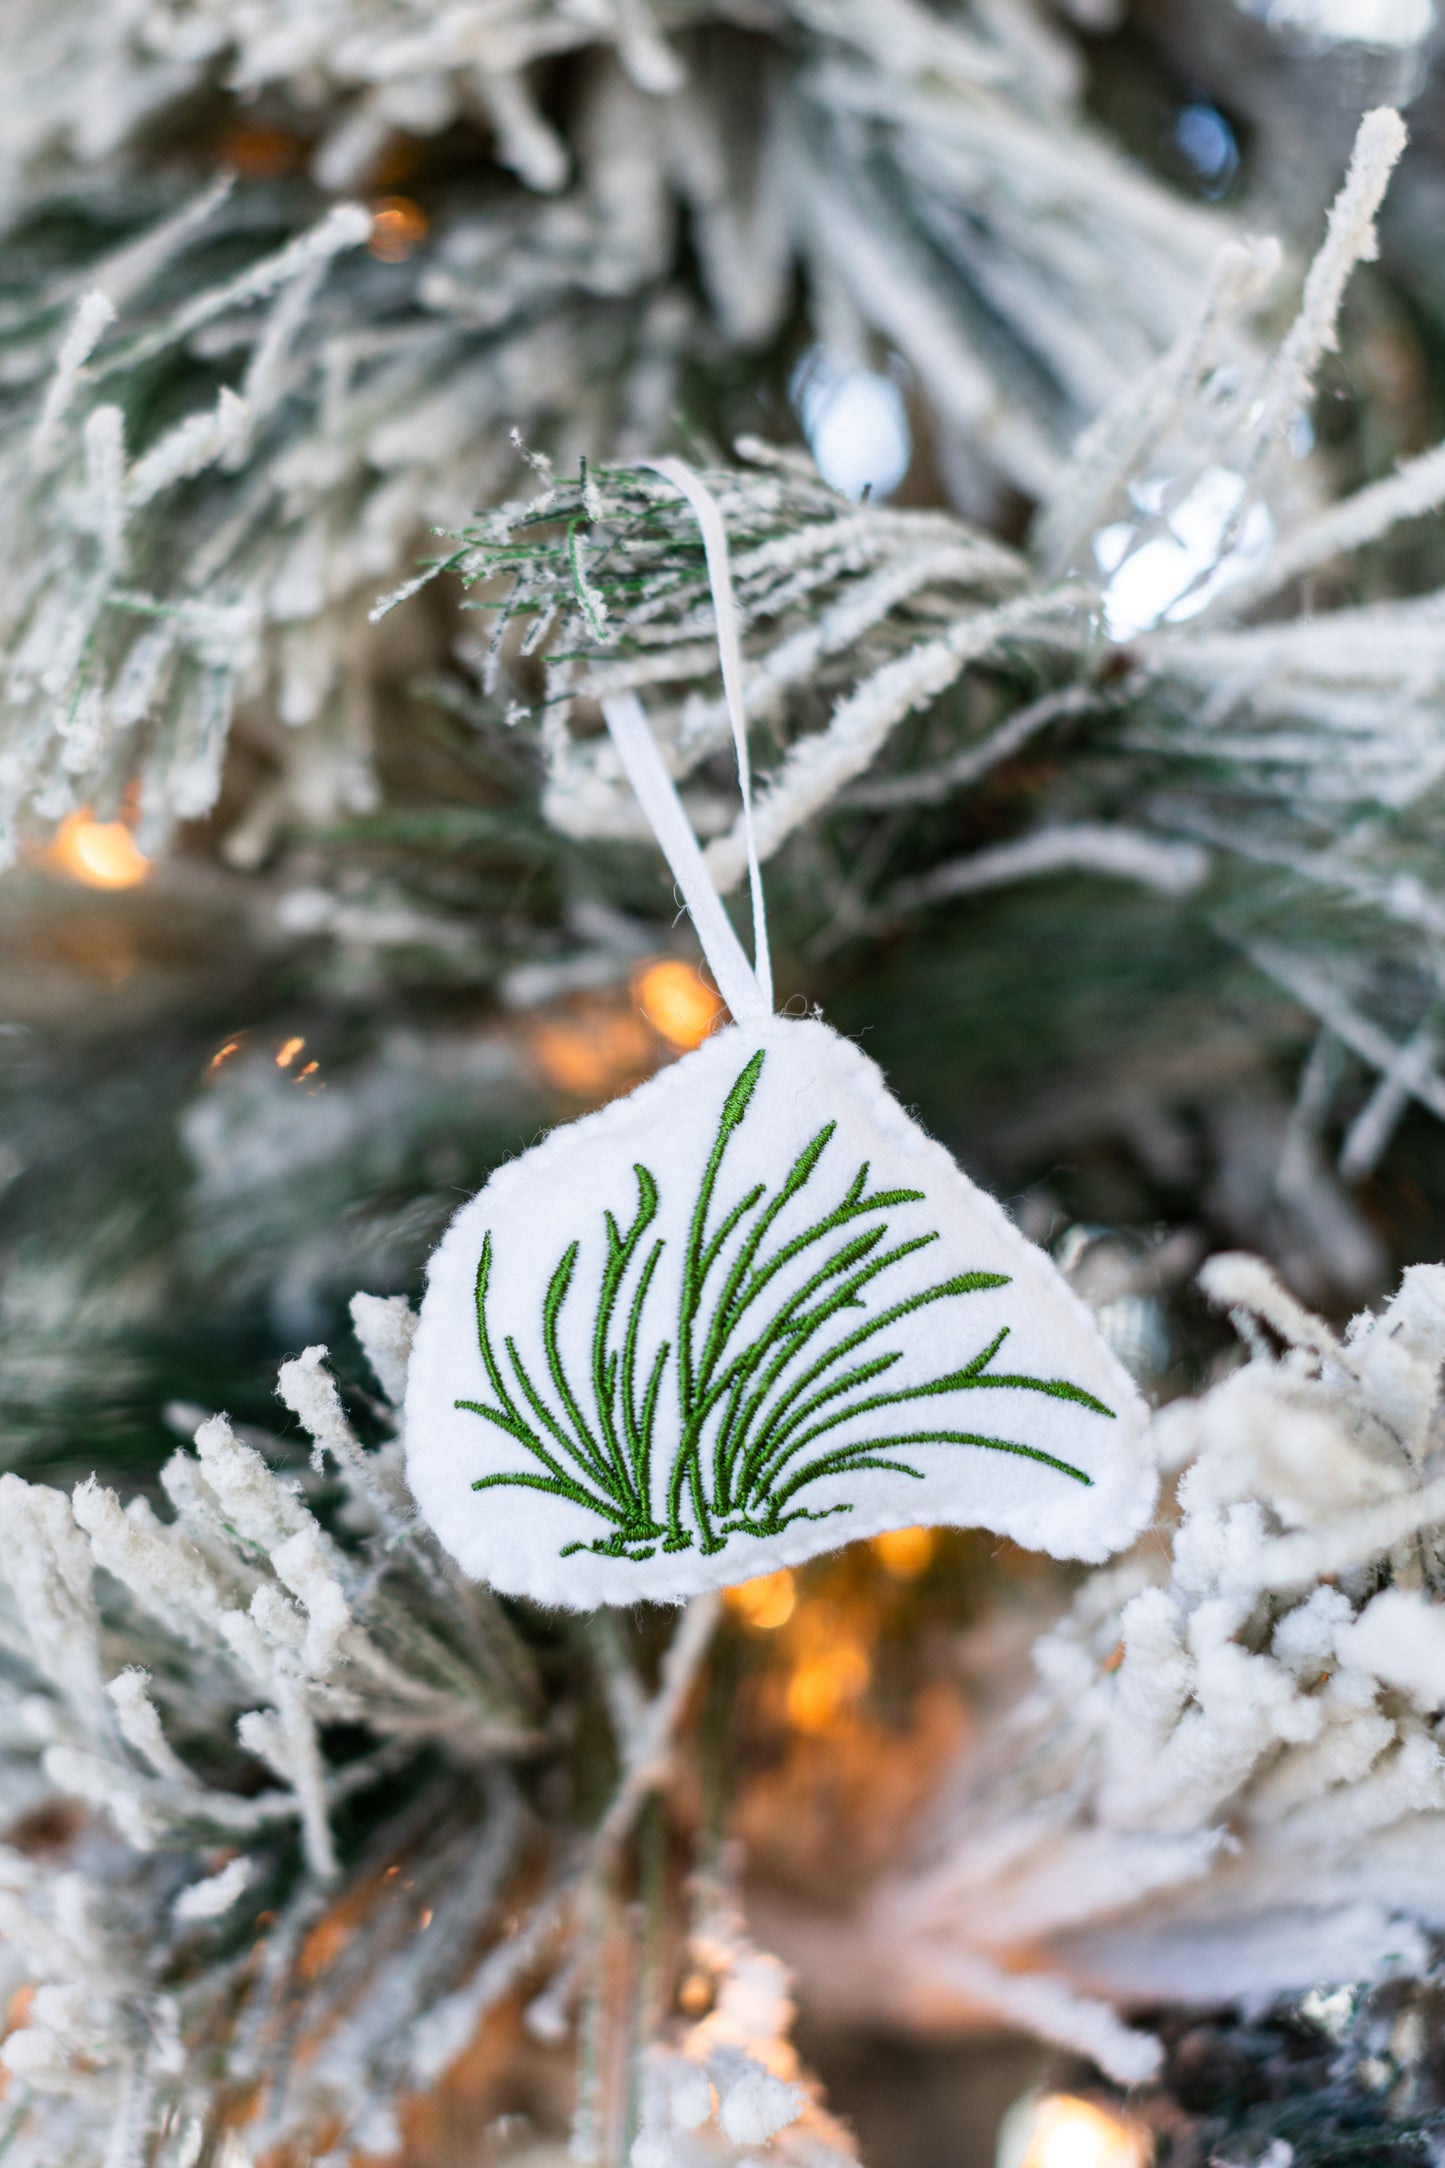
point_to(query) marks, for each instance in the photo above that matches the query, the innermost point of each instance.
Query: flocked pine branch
(1228, 1782)
(233, 1709)
(185, 1670)
(1278, 765)
(281, 1740)
(602, 577)
(1245, 766)
(209, 493)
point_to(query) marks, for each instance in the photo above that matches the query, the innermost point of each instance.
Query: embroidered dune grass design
(764, 1393)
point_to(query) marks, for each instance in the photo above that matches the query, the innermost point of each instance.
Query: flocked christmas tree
(1086, 549)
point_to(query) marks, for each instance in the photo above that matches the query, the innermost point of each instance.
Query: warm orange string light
(905, 1552)
(767, 1602)
(695, 1997)
(102, 854)
(822, 1689)
(678, 1004)
(289, 1052)
(397, 227)
(1061, 2130)
(595, 1056)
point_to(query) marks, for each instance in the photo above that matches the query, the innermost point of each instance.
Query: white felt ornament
(750, 1312)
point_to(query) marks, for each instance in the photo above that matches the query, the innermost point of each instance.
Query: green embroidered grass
(761, 1394)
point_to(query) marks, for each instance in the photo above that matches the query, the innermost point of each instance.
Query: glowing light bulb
(856, 424)
(1061, 2130)
(1207, 144)
(599, 1054)
(102, 854)
(905, 1552)
(766, 1602)
(289, 1052)
(820, 1691)
(680, 1007)
(397, 227)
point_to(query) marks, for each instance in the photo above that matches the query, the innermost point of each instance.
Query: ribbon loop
(746, 988)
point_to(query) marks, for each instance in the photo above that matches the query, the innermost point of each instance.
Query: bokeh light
(397, 227)
(1063, 2130)
(101, 854)
(766, 1602)
(856, 424)
(596, 1055)
(905, 1552)
(680, 1006)
(823, 1688)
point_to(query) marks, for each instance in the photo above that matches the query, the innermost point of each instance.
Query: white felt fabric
(719, 1500)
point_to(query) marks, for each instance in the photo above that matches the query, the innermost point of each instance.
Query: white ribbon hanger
(747, 988)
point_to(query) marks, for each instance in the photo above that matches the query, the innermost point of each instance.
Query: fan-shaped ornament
(750, 1312)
